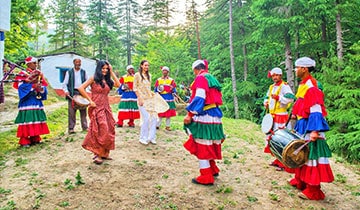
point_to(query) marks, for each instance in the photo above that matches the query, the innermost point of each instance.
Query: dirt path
(159, 176)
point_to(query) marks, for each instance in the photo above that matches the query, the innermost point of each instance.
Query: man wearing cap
(73, 79)
(279, 97)
(128, 108)
(309, 109)
(31, 118)
(203, 123)
(166, 87)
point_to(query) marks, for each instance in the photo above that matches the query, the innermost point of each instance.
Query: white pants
(148, 126)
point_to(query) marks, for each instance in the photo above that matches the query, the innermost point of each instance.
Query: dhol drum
(80, 102)
(284, 144)
(267, 123)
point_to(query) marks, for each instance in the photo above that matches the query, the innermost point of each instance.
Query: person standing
(128, 108)
(310, 111)
(148, 116)
(31, 118)
(166, 87)
(72, 81)
(100, 138)
(279, 97)
(203, 123)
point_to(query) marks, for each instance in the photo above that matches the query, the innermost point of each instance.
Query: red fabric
(203, 152)
(313, 192)
(206, 176)
(168, 113)
(24, 141)
(128, 115)
(32, 129)
(280, 118)
(214, 168)
(213, 96)
(315, 175)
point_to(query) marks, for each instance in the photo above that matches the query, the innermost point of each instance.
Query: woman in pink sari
(100, 138)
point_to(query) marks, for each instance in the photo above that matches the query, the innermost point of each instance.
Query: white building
(54, 67)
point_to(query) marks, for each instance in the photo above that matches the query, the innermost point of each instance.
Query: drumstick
(301, 147)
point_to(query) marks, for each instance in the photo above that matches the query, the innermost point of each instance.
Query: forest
(242, 41)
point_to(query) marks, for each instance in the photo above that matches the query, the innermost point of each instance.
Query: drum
(267, 123)
(80, 102)
(283, 145)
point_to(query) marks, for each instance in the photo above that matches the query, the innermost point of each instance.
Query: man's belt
(209, 106)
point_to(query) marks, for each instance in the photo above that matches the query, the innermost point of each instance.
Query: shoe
(157, 127)
(168, 128)
(119, 126)
(131, 126)
(71, 131)
(97, 160)
(153, 141)
(25, 145)
(143, 142)
(216, 175)
(279, 169)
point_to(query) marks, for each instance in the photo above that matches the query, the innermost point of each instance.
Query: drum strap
(209, 106)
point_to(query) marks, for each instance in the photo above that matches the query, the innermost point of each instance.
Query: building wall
(52, 64)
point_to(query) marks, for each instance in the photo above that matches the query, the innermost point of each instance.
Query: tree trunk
(288, 61)
(233, 76)
(339, 38)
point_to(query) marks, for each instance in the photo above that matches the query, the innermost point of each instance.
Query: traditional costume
(166, 87)
(283, 96)
(128, 108)
(310, 111)
(31, 118)
(205, 130)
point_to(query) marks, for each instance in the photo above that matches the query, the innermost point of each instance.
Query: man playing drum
(73, 79)
(279, 97)
(309, 109)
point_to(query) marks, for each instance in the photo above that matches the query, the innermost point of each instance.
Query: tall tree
(69, 32)
(128, 12)
(232, 65)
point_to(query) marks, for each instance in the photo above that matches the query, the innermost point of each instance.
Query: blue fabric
(2, 36)
(167, 96)
(198, 105)
(317, 122)
(28, 96)
(129, 94)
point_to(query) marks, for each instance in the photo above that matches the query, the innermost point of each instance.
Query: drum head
(295, 161)
(267, 123)
(80, 100)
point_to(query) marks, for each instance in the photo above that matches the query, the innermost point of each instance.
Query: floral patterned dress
(100, 138)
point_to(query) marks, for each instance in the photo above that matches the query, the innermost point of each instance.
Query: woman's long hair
(98, 76)
(140, 70)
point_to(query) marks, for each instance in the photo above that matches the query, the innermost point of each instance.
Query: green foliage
(342, 93)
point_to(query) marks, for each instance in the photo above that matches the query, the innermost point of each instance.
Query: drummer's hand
(92, 104)
(293, 116)
(314, 135)
(187, 120)
(275, 97)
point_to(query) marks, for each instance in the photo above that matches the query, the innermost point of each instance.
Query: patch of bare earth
(158, 176)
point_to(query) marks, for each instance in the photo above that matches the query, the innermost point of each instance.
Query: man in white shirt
(73, 79)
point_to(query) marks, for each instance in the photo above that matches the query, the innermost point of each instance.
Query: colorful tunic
(205, 131)
(31, 118)
(100, 138)
(167, 94)
(310, 111)
(128, 108)
(278, 108)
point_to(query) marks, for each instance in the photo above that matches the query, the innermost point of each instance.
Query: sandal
(279, 169)
(97, 160)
